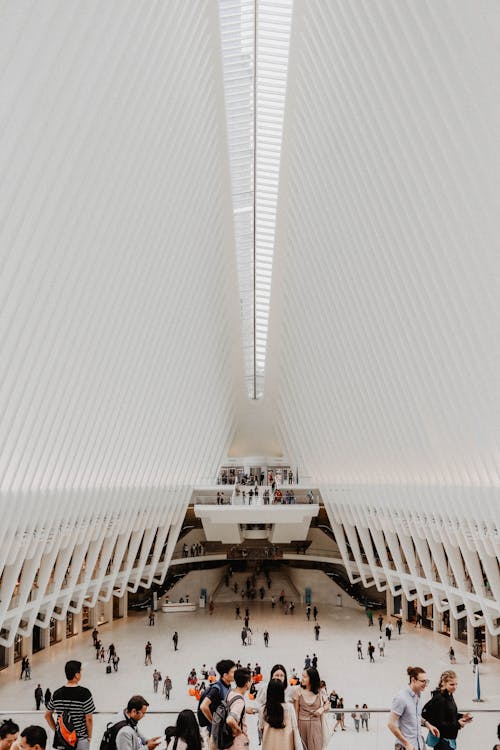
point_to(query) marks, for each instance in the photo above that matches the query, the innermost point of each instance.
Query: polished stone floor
(205, 639)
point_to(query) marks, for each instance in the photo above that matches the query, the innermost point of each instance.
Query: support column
(453, 627)
(470, 635)
(77, 622)
(61, 630)
(123, 605)
(389, 602)
(492, 645)
(28, 646)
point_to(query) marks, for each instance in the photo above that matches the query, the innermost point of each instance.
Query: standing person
(216, 693)
(314, 661)
(279, 721)
(278, 672)
(111, 652)
(236, 702)
(442, 712)
(116, 661)
(186, 735)
(266, 638)
(151, 617)
(380, 622)
(102, 655)
(23, 667)
(128, 736)
(308, 612)
(243, 636)
(309, 706)
(47, 696)
(359, 649)
(156, 680)
(315, 613)
(365, 715)
(451, 654)
(97, 646)
(388, 631)
(307, 662)
(355, 717)
(400, 624)
(317, 628)
(175, 640)
(381, 646)
(405, 719)
(339, 715)
(148, 650)
(78, 701)
(38, 696)
(9, 732)
(95, 636)
(371, 651)
(167, 687)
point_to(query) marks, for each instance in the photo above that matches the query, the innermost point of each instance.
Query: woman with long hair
(442, 712)
(187, 733)
(278, 672)
(310, 706)
(280, 730)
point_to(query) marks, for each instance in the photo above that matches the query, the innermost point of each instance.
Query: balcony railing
(481, 733)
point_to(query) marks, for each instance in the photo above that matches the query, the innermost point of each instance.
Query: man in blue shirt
(405, 720)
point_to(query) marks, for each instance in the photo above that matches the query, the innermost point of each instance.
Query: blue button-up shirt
(408, 706)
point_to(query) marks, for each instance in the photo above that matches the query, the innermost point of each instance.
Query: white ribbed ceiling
(385, 342)
(121, 353)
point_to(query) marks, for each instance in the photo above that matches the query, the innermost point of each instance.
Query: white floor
(205, 639)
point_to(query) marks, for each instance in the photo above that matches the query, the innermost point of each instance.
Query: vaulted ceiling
(124, 362)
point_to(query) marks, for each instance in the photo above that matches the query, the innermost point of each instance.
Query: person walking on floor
(315, 613)
(175, 640)
(317, 628)
(359, 649)
(148, 650)
(167, 687)
(156, 680)
(38, 696)
(266, 638)
(380, 622)
(365, 715)
(371, 651)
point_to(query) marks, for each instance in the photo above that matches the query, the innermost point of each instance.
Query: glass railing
(350, 734)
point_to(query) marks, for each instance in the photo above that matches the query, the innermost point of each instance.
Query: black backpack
(108, 741)
(222, 734)
(202, 719)
(65, 736)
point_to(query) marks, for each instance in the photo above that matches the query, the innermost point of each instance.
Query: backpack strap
(236, 697)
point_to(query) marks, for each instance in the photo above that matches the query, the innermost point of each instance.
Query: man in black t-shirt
(75, 699)
(216, 693)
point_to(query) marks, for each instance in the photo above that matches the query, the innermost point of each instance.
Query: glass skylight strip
(255, 38)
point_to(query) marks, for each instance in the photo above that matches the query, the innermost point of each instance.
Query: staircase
(279, 582)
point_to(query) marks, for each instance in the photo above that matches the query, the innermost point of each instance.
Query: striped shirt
(78, 701)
